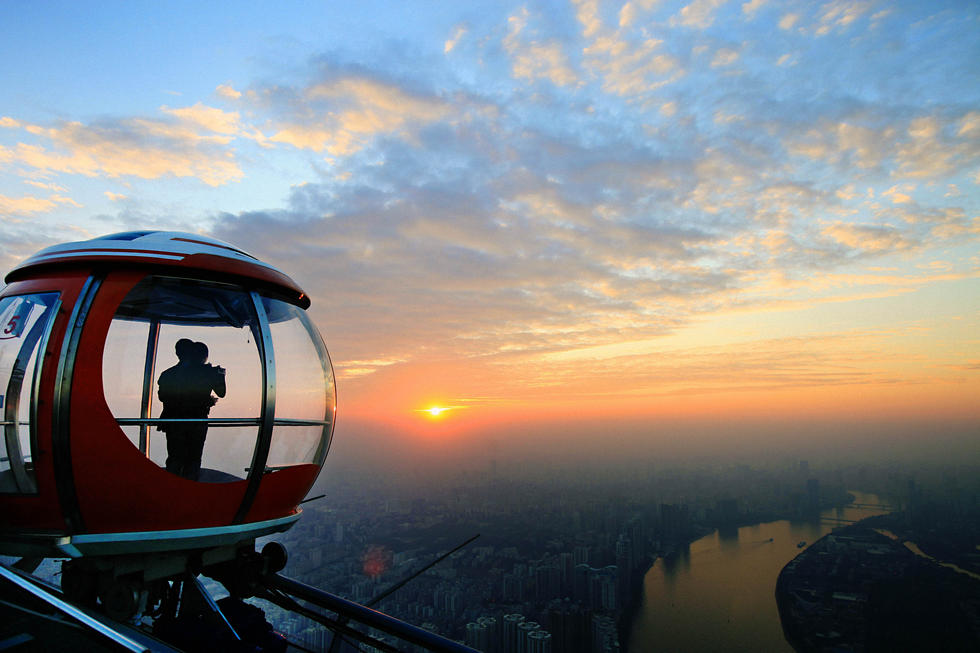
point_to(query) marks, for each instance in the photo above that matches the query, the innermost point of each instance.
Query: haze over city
(575, 231)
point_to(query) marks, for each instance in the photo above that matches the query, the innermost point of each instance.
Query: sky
(587, 225)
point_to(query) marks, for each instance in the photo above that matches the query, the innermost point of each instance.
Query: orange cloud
(533, 60)
(20, 206)
(190, 146)
(354, 111)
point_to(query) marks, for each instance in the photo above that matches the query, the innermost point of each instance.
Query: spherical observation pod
(158, 391)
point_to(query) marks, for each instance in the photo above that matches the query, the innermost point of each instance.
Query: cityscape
(560, 559)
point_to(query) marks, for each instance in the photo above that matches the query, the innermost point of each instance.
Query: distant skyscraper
(674, 521)
(570, 626)
(524, 629)
(580, 583)
(539, 641)
(605, 638)
(493, 629)
(813, 496)
(477, 636)
(511, 622)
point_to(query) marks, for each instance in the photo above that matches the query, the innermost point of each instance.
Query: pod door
(25, 321)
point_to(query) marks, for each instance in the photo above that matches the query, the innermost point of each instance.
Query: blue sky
(537, 191)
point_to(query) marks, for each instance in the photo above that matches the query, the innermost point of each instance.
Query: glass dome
(24, 321)
(252, 386)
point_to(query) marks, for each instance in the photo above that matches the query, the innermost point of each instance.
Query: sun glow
(435, 412)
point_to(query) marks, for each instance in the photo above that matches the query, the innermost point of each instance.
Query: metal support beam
(367, 616)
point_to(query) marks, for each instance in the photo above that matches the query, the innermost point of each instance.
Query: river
(719, 593)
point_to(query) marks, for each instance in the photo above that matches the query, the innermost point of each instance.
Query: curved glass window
(305, 391)
(25, 322)
(182, 374)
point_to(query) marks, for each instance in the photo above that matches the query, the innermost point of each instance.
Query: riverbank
(716, 592)
(628, 614)
(861, 589)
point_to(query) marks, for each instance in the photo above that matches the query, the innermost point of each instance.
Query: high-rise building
(524, 629)
(567, 565)
(510, 632)
(493, 629)
(674, 521)
(477, 636)
(605, 638)
(569, 624)
(539, 641)
(580, 583)
(547, 580)
(513, 588)
(813, 496)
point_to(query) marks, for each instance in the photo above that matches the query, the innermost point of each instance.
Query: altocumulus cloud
(191, 142)
(468, 222)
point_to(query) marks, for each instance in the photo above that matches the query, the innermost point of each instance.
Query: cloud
(341, 115)
(206, 119)
(631, 69)
(898, 196)
(823, 359)
(789, 21)
(724, 57)
(13, 207)
(628, 62)
(493, 259)
(46, 186)
(840, 14)
(475, 225)
(923, 147)
(970, 125)
(699, 14)
(227, 92)
(750, 8)
(868, 238)
(845, 143)
(563, 182)
(587, 12)
(929, 150)
(192, 144)
(354, 368)
(458, 33)
(532, 59)
(627, 14)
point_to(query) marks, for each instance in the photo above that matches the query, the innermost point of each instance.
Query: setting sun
(435, 412)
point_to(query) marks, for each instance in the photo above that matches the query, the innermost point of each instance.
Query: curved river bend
(719, 594)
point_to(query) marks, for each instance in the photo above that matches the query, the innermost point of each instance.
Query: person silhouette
(185, 390)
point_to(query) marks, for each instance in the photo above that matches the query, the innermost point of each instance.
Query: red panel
(235, 267)
(281, 491)
(118, 488)
(221, 267)
(41, 512)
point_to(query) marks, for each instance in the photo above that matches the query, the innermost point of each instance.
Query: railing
(284, 590)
